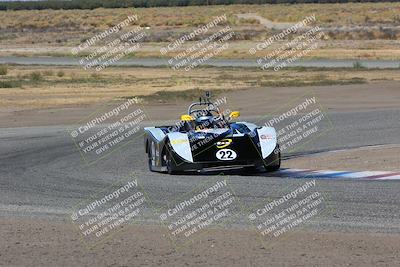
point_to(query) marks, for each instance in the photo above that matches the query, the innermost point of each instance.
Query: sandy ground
(44, 243)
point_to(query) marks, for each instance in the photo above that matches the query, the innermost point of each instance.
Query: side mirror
(186, 117)
(234, 115)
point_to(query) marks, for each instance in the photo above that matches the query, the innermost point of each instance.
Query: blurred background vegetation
(92, 4)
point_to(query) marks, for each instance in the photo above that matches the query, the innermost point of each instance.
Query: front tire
(169, 161)
(273, 162)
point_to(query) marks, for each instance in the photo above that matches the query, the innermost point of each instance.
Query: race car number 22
(226, 154)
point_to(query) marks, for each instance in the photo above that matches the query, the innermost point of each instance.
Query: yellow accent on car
(234, 114)
(224, 143)
(178, 141)
(186, 117)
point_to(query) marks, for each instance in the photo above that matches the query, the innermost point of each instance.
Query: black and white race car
(205, 140)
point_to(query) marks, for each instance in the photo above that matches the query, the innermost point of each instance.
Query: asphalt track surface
(156, 62)
(42, 175)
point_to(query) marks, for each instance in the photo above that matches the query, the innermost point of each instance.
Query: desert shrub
(9, 84)
(3, 69)
(36, 76)
(60, 73)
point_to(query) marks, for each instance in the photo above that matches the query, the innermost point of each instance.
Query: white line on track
(329, 174)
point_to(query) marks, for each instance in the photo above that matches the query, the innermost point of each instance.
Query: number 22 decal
(226, 154)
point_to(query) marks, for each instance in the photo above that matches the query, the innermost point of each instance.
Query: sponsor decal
(224, 143)
(266, 137)
(178, 141)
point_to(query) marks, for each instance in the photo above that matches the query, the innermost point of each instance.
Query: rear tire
(150, 156)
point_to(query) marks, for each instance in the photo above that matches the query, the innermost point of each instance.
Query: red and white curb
(327, 174)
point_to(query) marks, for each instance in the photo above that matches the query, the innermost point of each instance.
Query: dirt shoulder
(40, 87)
(46, 243)
(261, 101)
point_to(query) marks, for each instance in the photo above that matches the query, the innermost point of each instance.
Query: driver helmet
(205, 121)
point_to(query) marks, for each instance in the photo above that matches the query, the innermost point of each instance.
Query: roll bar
(203, 102)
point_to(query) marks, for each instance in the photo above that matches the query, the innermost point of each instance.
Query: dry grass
(44, 26)
(327, 14)
(55, 32)
(76, 87)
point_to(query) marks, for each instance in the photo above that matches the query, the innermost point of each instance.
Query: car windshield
(210, 123)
